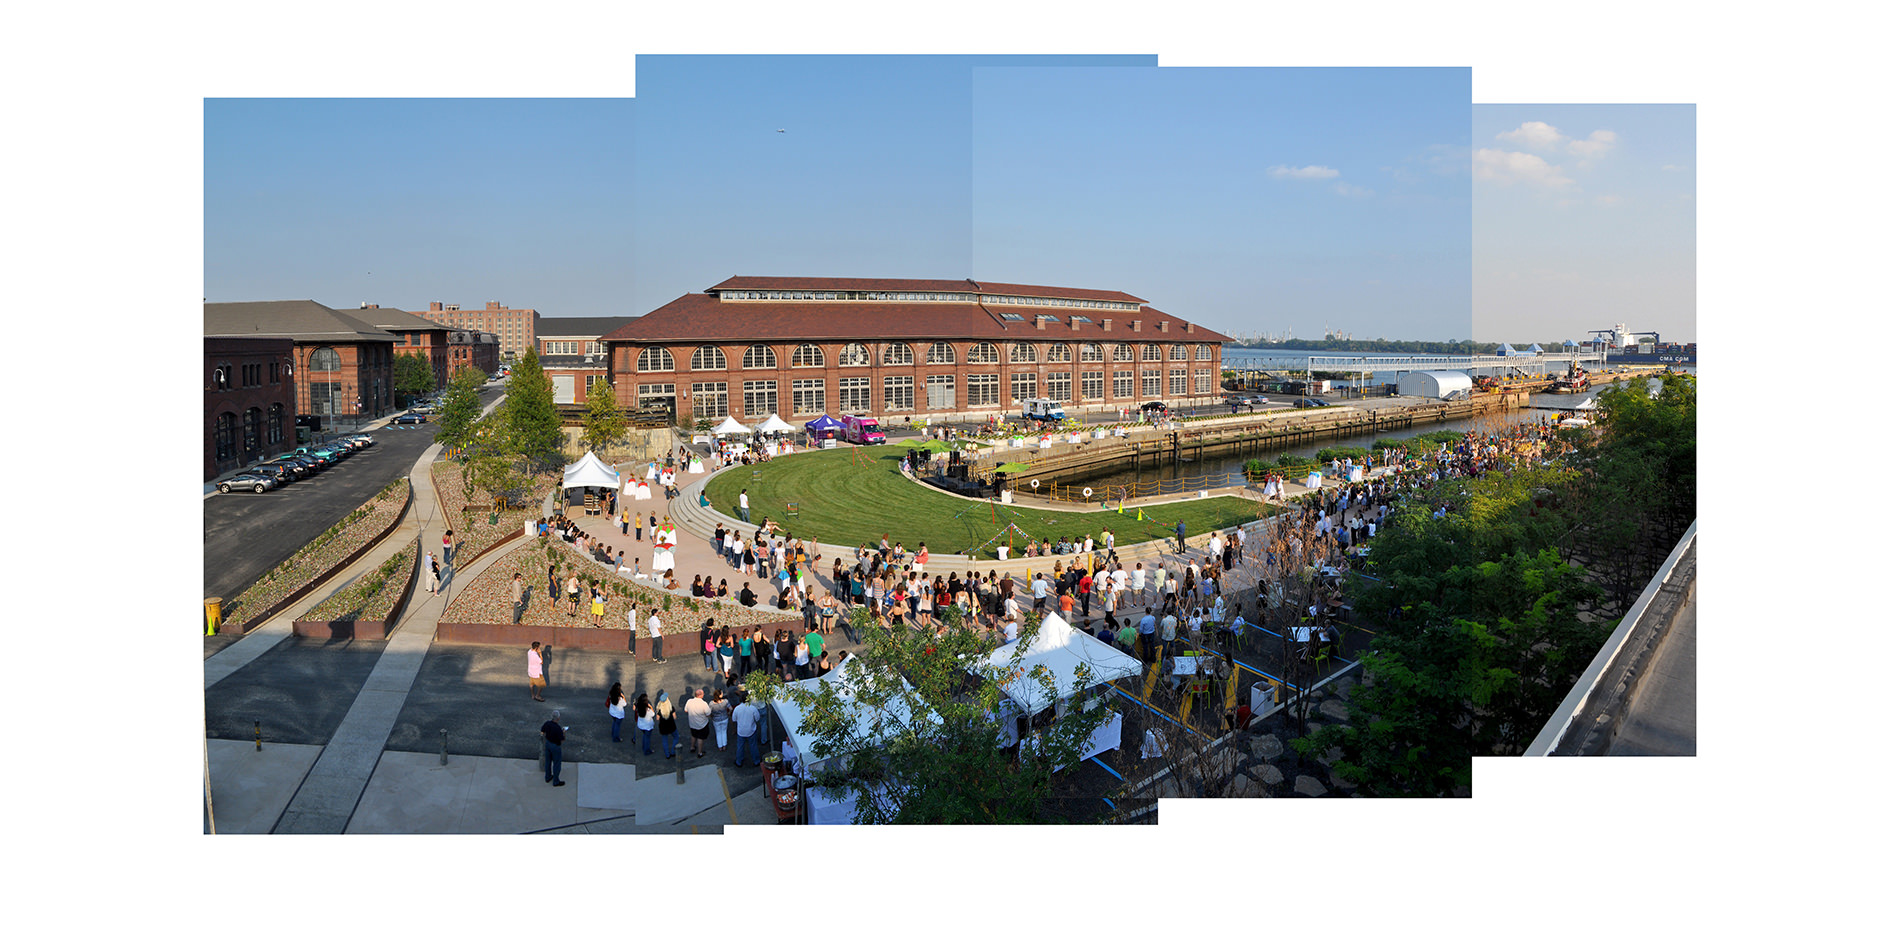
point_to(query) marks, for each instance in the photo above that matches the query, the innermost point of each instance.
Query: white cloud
(1348, 190)
(1510, 167)
(1309, 172)
(1608, 199)
(1534, 135)
(1596, 146)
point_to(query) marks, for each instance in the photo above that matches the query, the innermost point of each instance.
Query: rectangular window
(985, 389)
(898, 394)
(1151, 383)
(1091, 384)
(591, 378)
(854, 395)
(1124, 384)
(761, 398)
(1059, 389)
(940, 392)
(1203, 381)
(808, 397)
(1177, 383)
(709, 401)
(1022, 386)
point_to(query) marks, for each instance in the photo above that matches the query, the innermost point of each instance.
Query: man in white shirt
(745, 507)
(1240, 545)
(1012, 610)
(1138, 583)
(1039, 592)
(653, 631)
(1168, 622)
(1011, 629)
(1118, 583)
(745, 721)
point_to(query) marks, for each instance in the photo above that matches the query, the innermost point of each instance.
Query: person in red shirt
(1085, 585)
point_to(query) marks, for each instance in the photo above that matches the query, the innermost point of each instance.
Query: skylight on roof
(1012, 317)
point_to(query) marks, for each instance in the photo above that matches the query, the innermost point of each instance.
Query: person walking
(431, 575)
(745, 726)
(552, 735)
(743, 648)
(520, 600)
(727, 650)
(698, 720)
(667, 724)
(706, 644)
(537, 678)
(573, 592)
(1180, 537)
(643, 721)
(448, 545)
(745, 507)
(616, 709)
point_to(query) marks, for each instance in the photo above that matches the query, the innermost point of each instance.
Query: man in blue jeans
(745, 507)
(745, 721)
(552, 733)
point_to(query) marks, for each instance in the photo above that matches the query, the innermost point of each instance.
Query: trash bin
(214, 607)
(1262, 698)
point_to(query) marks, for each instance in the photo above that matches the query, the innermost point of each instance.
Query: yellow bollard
(213, 609)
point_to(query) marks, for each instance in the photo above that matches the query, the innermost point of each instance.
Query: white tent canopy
(731, 426)
(1060, 649)
(774, 425)
(844, 678)
(589, 471)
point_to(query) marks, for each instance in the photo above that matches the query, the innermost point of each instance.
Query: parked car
(1307, 402)
(411, 417)
(326, 453)
(1154, 406)
(253, 480)
(285, 471)
(359, 441)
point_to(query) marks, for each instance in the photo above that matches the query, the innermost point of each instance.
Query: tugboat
(1576, 381)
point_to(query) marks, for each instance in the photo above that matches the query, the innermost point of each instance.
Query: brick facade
(250, 402)
(514, 328)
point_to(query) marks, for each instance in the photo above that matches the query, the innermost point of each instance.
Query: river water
(1211, 467)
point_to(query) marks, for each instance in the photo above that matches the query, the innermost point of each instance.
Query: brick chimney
(1190, 328)
(1163, 325)
(1041, 323)
(1108, 325)
(435, 307)
(1135, 325)
(1075, 324)
(494, 304)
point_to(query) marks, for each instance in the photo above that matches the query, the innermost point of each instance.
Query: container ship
(1625, 347)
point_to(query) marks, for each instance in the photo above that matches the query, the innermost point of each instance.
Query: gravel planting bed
(371, 596)
(485, 599)
(472, 531)
(311, 564)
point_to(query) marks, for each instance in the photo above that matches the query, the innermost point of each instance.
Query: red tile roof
(918, 286)
(701, 317)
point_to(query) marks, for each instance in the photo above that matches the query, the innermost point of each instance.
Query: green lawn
(850, 500)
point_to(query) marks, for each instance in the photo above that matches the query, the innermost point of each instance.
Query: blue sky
(1583, 216)
(405, 202)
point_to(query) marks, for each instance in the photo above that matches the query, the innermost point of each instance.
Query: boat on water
(1623, 346)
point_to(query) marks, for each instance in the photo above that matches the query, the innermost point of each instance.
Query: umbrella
(1012, 468)
(936, 447)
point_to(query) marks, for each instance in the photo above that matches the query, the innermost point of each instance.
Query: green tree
(490, 466)
(937, 761)
(604, 424)
(460, 406)
(1641, 495)
(413, 376)
(533, 424)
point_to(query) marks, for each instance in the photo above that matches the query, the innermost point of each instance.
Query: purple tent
(824, 426)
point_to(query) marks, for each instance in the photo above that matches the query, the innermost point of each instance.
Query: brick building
(944, 349)
(573, 353)
(343, 367)
(480, 350)
(250, 401)
(513, 327)
(418, 336)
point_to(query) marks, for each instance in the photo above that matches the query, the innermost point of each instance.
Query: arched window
(1091, 353)
(941, 353)
(1151, 352)
(654, 358)
(1060, 354)
(253, 433)
(1178, 352)
(808, 355)
(854, 355)
(325, 359)
(899, 353)
(1124, 354)
(1203, 352)
(224, 437)
(1021, 353)
(709, 358)
(759, 357)
(982, 353)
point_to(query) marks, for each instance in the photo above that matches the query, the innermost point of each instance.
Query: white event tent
(844, 678)
(774, 426)
(1059, 648)
(589, 471)
(731, 426)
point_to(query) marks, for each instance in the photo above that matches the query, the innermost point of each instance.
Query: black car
(253, 480)
(1154, 406)
(299, 465)
(1305, 402)
(284, 472)
(411, 418)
